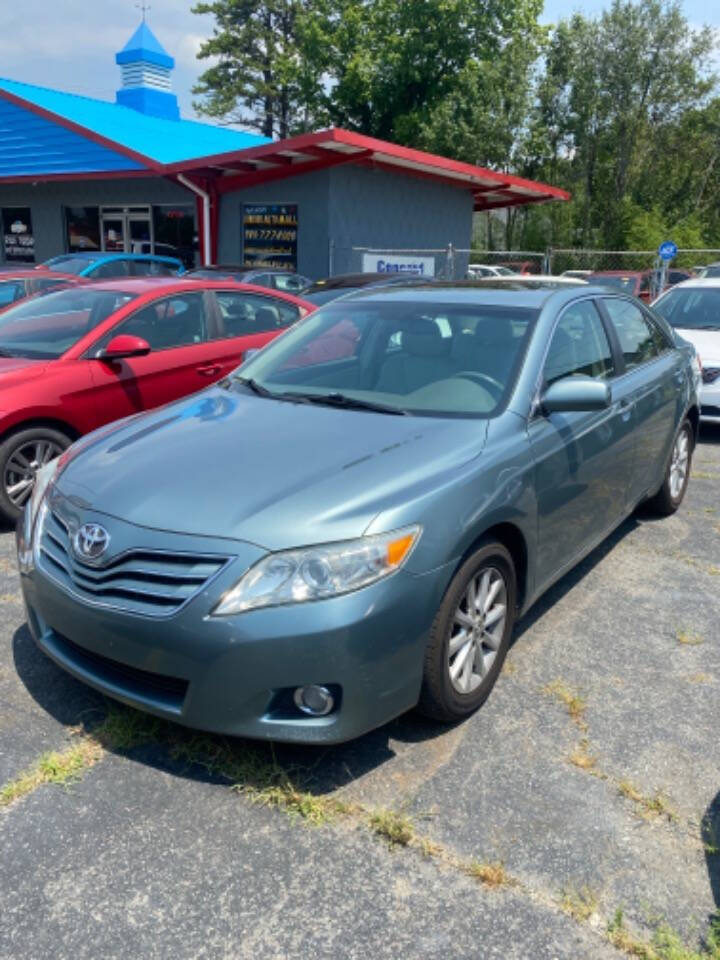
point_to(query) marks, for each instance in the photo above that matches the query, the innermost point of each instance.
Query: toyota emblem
(91, 541)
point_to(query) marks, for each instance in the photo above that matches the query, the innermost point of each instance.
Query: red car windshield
(46, 327)
(625, 283)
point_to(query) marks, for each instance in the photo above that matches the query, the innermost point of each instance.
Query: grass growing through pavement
(581, 757)
(580, 904)
(573, 702)
(489, 874)
(665, 943)
(688, 638)
(655, 806)
(396, 828)
(59, 766)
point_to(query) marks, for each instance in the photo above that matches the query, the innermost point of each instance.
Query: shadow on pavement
(709, 433)
(710, 836)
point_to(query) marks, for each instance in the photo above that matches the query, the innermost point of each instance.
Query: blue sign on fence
(667, 250)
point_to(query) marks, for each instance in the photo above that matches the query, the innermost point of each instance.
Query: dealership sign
(270, 232)
(394, 263)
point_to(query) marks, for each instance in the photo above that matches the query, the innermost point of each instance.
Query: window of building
(82, 226)
(174, 232)
(18, 239)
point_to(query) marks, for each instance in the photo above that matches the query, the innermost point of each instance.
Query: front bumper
(234, 675)
(710, 402)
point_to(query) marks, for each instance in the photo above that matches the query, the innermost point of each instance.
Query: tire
(451, 690)
(672, 492)
(32, 447)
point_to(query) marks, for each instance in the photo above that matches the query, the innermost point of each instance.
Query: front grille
(148, 582)
(710, 374)
(140, 684)
(709, 411)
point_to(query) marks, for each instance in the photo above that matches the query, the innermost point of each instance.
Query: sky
(71, 44)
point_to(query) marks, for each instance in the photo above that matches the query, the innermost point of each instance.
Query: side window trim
(611, 332)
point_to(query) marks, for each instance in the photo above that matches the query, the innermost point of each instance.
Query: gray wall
(350, 207)
(310, 192)
(46, 201)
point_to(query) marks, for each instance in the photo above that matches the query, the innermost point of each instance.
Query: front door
(126, 230)
(583, 461)
(182, 358)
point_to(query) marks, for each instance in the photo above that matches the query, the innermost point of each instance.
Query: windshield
(415, 357)
(325, 294)
(691, 308)
(44, 328)
(627, 284)
(69, 264)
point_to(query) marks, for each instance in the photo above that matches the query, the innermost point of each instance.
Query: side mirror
(250, 353)
(122, 346)
(575, 395)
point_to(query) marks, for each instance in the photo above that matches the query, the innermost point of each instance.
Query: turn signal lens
(316, 573)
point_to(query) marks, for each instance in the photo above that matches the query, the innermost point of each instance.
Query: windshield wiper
(256, 387)
(348, 403)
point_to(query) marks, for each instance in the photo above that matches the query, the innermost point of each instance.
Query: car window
(45, 286)
(10, 291)
(111, 268)
(150, 268)
(290, 282)
(636, 335)
(242, 314)
(45, 327)
(579, 346)
(178, 321)
(260, 279)
(691, 308)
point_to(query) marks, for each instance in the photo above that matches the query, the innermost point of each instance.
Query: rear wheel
(21, 456)
(671, 493)
(470, 635)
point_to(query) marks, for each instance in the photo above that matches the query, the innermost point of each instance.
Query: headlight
(315, 573)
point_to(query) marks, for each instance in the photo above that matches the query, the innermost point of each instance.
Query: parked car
(74, 360)
(644, 284)
(17, 284)
(261, 277)
(711, 271)
(303, 552)
(477, 270)
(323, 291)
(693, 310)
(576, 274)
(105, 266)
(531, 281)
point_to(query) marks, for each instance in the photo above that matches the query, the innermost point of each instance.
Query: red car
(76, 359)
(17, 284)
(639, 283)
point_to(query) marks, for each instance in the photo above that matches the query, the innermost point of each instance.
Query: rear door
(182, 358)
(653, 380)
(583, 461)
(247, 321)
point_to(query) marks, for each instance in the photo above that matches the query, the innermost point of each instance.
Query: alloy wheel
(679, 464)
(477, 629)
(22, 466)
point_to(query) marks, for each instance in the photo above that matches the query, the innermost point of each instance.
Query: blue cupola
(146, 68)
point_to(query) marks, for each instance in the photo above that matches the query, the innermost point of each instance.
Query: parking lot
(575, 815)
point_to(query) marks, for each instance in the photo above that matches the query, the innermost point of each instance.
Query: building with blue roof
(78, 173)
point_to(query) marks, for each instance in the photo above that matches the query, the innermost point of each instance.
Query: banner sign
(18, 239)
(270, 235)
(394, 263)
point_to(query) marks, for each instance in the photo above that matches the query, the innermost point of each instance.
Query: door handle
(625, 407)
(210, 370)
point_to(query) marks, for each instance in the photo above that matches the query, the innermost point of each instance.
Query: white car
(693, 309)
(477, 270)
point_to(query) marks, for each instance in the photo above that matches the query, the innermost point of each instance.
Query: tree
(268, 74)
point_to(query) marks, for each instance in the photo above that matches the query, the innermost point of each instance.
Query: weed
(580, 904)
(574, 703)
(489, 874)
(714, 571)
(124, 729)
(60, 766)
(621, 938)
(394, 827)
(710, 838)
(650, 807)
(700, 678)
(580, 757)
(688, 639)
(702, 475)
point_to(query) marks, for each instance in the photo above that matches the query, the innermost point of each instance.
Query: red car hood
(14, 365)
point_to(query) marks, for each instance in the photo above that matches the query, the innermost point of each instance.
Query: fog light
(314, 700)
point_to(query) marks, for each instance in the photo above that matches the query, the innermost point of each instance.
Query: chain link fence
(456, 263)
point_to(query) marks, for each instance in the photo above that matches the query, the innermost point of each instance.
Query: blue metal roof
(30, 144)
(160, 141)
(144, 45)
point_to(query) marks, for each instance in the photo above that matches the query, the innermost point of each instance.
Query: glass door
(126, 230)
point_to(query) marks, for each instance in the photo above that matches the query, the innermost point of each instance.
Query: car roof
(356, 280)
(100, 255)
(468, 292)
(163, 285)
(527, 280)
(32, 272)
(697, 282)
(237, 268)
(619, 273)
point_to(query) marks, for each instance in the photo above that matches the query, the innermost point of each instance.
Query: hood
(13, 369)
(277, 474)
(706, 342)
